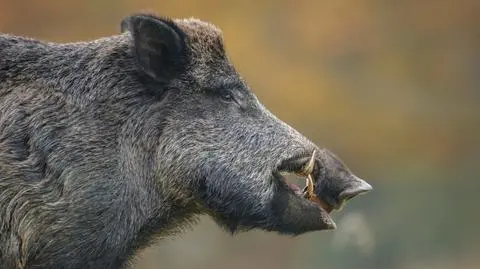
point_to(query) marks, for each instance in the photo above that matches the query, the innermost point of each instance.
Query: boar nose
(358, 186)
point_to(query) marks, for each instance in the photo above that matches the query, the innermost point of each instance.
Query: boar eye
(227, 97)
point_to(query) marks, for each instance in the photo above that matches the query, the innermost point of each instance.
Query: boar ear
(158, 46)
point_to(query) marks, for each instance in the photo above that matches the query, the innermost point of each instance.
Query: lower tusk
(309, 189)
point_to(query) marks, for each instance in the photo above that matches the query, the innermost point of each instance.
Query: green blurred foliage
(391, 86)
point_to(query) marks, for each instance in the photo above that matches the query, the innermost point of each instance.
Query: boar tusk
(309, 189)
(308, 169)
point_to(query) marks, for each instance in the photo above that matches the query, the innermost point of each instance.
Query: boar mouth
(303, 166)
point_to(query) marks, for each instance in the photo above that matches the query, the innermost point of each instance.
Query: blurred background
(393, 87)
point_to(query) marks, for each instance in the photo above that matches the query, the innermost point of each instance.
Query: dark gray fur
(107, 144)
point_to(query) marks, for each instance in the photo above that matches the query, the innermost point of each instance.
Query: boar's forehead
(210, 63)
